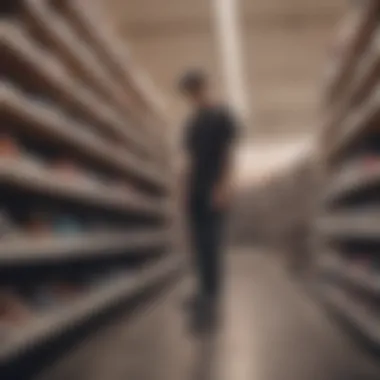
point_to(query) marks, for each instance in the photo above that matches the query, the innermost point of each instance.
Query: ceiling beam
(202, 25)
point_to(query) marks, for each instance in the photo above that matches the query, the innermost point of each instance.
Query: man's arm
(223, 188)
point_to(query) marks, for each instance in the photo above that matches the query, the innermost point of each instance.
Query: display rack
(51, 122)
(41, 70)
(83, 247)
(85, 217)
(67, 26)
(95, 301)
(108, 50)
(346, 259)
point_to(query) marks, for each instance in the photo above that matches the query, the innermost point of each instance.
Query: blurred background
(94, 255)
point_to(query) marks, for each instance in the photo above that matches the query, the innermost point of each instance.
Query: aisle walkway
(272, 331)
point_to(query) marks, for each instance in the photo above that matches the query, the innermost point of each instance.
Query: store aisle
(271, 331)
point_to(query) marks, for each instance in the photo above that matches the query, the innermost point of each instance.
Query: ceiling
(140, 13)
(284, 44)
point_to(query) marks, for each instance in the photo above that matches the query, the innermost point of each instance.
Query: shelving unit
(23, 250)
(339, 266)
(353, 312)
(41, 117)
(351, 224)
(346, 260)
(42, 71)
(356, 31)
(103, 296)
(352, 179)
(85, 213)
(107, 49)
(357, 123)
(32, 177)
(50, 24)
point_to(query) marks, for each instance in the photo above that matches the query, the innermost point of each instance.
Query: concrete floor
(271, 330)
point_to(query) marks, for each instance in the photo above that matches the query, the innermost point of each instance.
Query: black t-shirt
(208, 135)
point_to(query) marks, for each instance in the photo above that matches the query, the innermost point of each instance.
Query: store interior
(95, 255)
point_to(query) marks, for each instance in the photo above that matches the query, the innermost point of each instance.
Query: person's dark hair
(192, 81)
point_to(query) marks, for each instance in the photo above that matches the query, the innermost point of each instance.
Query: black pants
(206, 232)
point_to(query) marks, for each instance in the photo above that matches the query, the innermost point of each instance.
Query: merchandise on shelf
(65, 291)
(67, 225)
(14, 312)
(66, 167)
(7, 226)
(8, 146)
(39, 223)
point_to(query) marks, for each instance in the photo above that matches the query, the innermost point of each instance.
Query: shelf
(368, 71)
(78, 56)
(367, 324)
(103, 297)
(50, 122)
(365, 78)
(62, 99)
(360, 30)
(344, 269)
(40, 67)
(346, 279)
(25, 250)
(352, 179)
(351, 224)
(28, 176)
(356, 123)
(118, 61)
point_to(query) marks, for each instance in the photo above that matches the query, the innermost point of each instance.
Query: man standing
(208, 138)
